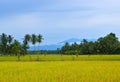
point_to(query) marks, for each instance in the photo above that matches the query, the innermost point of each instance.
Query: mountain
(48, 47)
(70, 40)
(60, 44)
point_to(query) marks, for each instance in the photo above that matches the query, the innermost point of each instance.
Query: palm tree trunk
(34, 49)
(30, 57)
(18, 57)
(39, 48)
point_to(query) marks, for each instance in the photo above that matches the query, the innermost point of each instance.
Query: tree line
(11, 46)
(108, 44)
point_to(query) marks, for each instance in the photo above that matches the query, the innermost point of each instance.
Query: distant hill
(48, 47)
(60, 44)
(71, 40)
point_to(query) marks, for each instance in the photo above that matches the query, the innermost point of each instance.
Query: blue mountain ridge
(59, 44)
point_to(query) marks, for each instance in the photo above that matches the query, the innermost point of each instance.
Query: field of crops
(81, 70)
(60, 71)
(62, 58)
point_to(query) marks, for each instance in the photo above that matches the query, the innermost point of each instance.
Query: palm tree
(25, 46)
(9, 39)
(4, 43)
(26, 41)
(66, 48)
(27, 37)
(16, 49)
(39, 40)
(33, 40)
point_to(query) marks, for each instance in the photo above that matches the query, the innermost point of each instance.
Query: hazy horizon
(59, 20)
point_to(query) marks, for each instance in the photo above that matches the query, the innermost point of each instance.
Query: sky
(58, 20)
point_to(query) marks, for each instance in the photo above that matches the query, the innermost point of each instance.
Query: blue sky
(58, 20)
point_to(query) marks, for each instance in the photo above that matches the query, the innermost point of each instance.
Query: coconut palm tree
(39, 40)
(4, 43)
(9, 39)
(27, 37)
(26, 41)
(16, 49)
(25, 45)
(33, 40)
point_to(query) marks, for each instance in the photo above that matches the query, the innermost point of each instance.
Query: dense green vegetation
(108, 44)
(11, 46)
(104, 45)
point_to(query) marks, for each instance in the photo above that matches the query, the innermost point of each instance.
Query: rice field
(62, 58)
(62, 71)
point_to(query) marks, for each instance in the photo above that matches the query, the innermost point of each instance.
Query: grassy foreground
(62, 58)
(60, 71)
(56, 68)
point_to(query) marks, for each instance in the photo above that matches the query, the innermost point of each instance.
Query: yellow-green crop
(60, 71)
(57, 57)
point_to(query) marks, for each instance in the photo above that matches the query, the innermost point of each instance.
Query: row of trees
(104, 45)
(9, 45)
(31, 39)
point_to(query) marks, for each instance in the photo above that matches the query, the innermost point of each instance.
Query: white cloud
(85, 4)
(104, 19)
(85, 19)
(22, 21)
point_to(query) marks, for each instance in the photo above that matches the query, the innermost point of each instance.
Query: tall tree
(39, 40)
(74, 49)
(4, 43)
(66, 48)
(25, 46)
(16, 48)
(27, 37)
(10, 39)
(108, 44)
(91, 47)
(26, 41)
(33, 40)
(84, 48)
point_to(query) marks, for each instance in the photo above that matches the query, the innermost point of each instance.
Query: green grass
(63, 58)
(60, 71)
